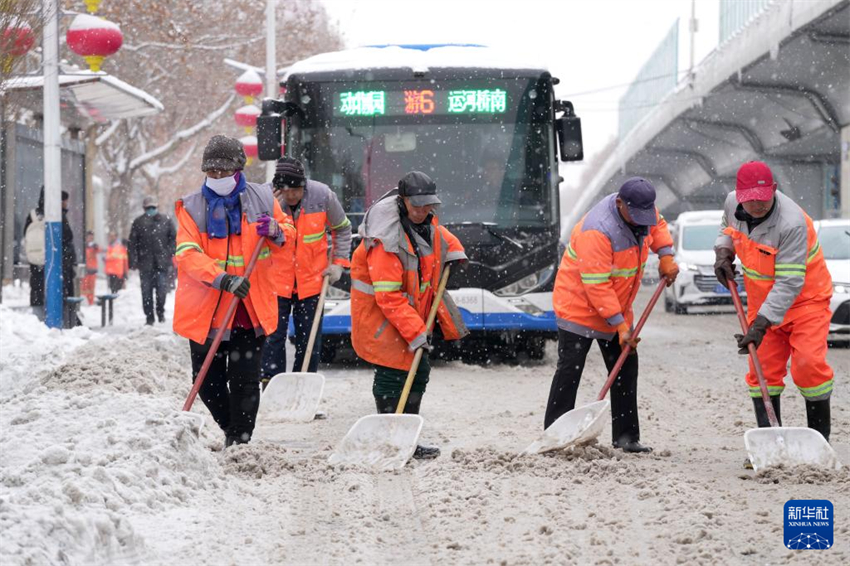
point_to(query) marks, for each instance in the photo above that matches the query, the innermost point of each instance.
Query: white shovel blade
(292, 397)
(196, 420)
(573, 428)
(380, 442)
(789, 446)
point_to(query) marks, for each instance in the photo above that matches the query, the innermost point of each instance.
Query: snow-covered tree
(174, 50)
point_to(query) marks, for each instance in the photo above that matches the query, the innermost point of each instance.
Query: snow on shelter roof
(415, 57)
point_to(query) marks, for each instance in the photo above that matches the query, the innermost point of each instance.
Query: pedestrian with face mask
(151, 248)
(219, 227)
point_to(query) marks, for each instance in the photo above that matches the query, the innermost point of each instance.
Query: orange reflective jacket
(393, 288)
(200, 305)
(116, 259)
(318, 212)
(601, 269)
(92, 250)
(785, 273)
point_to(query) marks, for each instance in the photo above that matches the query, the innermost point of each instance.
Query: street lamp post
(52, 169)
(271, 72)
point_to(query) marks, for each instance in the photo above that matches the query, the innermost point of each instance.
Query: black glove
(239, 286)
(724, 268)
(754, 335)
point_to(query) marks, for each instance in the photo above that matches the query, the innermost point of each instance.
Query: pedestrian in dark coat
(151, 250)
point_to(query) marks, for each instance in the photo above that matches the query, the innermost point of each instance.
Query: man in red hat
(788, 291)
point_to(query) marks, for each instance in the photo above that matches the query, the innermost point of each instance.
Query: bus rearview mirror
(569, 138)
(269, 136)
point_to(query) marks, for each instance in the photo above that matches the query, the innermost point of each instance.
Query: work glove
(625, 335)
(724, 266)
(754, 335)
(334, 272)
(268, 228)
(239, 286)
(425, 344)
(668, 269)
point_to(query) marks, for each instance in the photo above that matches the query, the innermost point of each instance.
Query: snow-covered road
(96, 466)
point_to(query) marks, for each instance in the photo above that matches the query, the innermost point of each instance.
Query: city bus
(485, 127)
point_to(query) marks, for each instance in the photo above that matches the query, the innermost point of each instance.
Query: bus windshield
(488, 149)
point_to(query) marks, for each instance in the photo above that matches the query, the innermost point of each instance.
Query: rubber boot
(818, 416)
(761, 418)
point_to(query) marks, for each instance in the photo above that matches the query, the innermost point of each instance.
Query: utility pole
(52, 168)
(693, 27)
(272, 88)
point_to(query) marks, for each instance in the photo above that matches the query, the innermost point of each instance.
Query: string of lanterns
(249, 85)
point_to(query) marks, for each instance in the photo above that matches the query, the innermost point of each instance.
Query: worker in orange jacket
(88, 283)
(788, 292)
(218, 228)
(316, 211)
(116, 264)
(395, 272)
(597, 282)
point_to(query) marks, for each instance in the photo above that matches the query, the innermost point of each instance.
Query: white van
(694, 234)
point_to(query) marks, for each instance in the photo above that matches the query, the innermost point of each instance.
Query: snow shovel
(585, 424)
(228, 316)
(780, 445)
(386, 442)
(295, 396)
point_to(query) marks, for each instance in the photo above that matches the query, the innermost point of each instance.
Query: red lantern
(16, 41)
(247, 117)
(94, 38)
(250, 145)
(249, 85)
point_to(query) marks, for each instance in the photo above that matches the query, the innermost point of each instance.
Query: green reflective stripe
(386, 286)
(814, 251)
(624, 272)
(234, 260)
(310, 238)
(571, 252)
(595, 278)
(186, 246)
(423, 286)
(771, 390)
(265, 253)
(790, 270)
(753, 274)
(342, 224)
(817, 390)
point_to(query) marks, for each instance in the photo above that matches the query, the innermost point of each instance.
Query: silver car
(834, 238)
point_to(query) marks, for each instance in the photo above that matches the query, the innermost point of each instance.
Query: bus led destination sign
(364, 103)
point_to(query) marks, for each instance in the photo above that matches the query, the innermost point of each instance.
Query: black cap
(224, 154)
(289, 172)
(639, 196)
(419, 188)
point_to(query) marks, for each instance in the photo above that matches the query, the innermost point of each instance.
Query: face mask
(222, 187)
(150, 211)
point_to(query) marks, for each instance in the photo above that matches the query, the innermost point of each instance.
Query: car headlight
(527, 283)
(841, 288)
(684, 266)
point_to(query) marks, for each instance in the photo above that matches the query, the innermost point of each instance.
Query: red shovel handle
(765, 394)
(626, 349)
(231, 310)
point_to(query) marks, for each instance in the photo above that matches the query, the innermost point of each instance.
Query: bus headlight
(526, 284)
(841, 288)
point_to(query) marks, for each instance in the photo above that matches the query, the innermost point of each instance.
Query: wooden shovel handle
(317, 317)
(765, 394)
(429, 324)
(231, 310)
(627, 349)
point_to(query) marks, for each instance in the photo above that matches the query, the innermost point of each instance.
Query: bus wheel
(535, 348)
(328, 353)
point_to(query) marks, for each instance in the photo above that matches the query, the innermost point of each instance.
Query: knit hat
(224, 154)
(150, 201)
(289, 172)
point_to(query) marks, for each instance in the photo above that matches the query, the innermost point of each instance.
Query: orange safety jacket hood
(202, 262)
(318, 212)
(785, 273)
(600, 272)
(390, 301)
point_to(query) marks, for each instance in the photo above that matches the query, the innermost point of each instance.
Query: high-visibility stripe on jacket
(785, 273)
(600, 272)
(116, 262)
(200, 305)
(390, 301)
(318, 212)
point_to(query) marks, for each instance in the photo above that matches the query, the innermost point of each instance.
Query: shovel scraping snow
(295, 396)
(584, 424)
(778, 445)
(386, 442)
